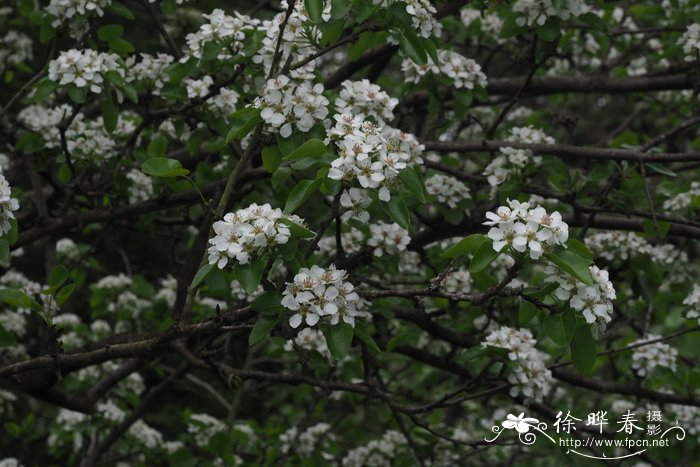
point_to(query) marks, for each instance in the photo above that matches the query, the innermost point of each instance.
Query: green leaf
(130, 93)
(550, 31)
(483, 256)
(398, 212)
(250, 275)
(58, 276)
(561, 327)
(121, 46)
(115, 78)
(261, 328)
(573, 264)
(64, 174)
(594, 21)
(268, 303)
(338, 338)
(211, 50)
(120, 10)
(650, 227)
(163, 167)
(412, 47)
(364, 336)
(300, 194)
(201, 274)
(17, 298)
(4, 252)
(413, 182)
(314, 9)
(110, 32)
(297, 231)
(65, 293)
(271, 158)
(583, 349)
(395, 341)
(242, 122)
(14, 231)
(580, 249)
(157, 146)
(311, 148)
(465, 246)
(110, 115)
(43, 90)
(77, 95)
(526, 312)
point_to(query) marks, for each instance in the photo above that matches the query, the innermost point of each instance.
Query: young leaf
(243, 122)
(297, 231)
(268, 303)
(364, 336)
(412, 47)
(398, 212)
(413, 183)
(311, 148)
(201, 274)
(338, 338)
(271, 158)
(261, 328)
(300, 194)
(314, 8)
(250, 275)
(583, 349)
(163, 167)
(483, 256)
(465, 246)
(561, 327)
(65, 293)
(157, 147)
(572, 263)
(58, 276)
(110, 32)
(110, 115)
(526, 312)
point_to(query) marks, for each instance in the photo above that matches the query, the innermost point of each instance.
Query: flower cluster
(225, 30)
(525, 229)
(458, 281)
(388, 239)
(531, 378)
(377, 452)
(8, 205)
(693, 301)
(286, 105)
(247, 232)
(365, 100)
(448, 190)
(490, 23)
(309, 339)
(141, 188)
(63, 10)
(151, 69)
(593, 301)
(513, 161)
(683, 200)
(204, 427)
(307, 442)
(15, 48)
(371, 155)
(536, 12)
(463, 72)
(356, 201)
(84, 68)
(650, 356)
(690, 41)
(319, 292)
(198, 88)
(295, 44)
(621, 246)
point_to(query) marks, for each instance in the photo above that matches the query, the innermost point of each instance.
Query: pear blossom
(316, 293)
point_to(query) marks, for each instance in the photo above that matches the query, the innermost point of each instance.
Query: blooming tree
(347, 232)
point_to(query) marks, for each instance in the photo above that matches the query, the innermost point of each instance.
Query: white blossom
(84, 68)
(448, 190)
(389, 239)
(536, 12)
(650, 356)
(531, 377)
(317, 292)
(365, 100)
(690, 41)
(248, 232)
